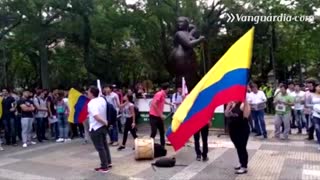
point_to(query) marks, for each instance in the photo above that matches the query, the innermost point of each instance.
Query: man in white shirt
(299, 98)
(248, 99)
(291, 91)
(258, 103)
(97, 109)
(177, 99)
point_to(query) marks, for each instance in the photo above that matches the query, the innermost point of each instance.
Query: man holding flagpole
(156, 116)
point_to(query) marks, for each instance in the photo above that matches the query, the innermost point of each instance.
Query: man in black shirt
(26, 108)
(9, 107)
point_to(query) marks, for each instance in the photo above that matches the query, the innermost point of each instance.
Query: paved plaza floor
(268, 159)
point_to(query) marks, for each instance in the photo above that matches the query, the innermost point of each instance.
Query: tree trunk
(86, 41)
(44, 73)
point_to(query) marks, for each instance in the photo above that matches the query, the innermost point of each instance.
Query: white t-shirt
(42, 104)
(113, 99)
(176, 98)
(315, 102)
(96, 106)
(248, 97)
(297, 100)
(290, 92)
(257, 98)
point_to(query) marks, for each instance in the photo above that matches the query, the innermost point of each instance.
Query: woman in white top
(130, 125)
(316, 112)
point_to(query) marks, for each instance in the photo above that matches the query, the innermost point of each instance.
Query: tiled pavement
(268, 159)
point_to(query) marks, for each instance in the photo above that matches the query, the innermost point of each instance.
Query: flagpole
(99, 87)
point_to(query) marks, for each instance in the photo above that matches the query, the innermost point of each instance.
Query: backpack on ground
(165, 163)
(159, 150)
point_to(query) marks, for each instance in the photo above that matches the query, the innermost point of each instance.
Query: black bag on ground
(159, 151)
(165, 162)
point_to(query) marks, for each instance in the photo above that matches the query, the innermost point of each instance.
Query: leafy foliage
(68, 43)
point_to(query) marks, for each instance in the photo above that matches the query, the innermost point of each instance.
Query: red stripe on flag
(200, 119)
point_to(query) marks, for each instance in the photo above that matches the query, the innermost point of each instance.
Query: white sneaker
(60, 140)
(24, 145)
(67, 140)
(33, 143)
(1, 148)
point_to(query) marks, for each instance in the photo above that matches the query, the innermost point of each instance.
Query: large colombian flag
(78, 106)
(225, 82)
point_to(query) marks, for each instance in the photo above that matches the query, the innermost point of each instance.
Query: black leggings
(239, 131)
(127, 128)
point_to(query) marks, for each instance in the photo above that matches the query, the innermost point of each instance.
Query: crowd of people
(295, 106)
(42, 115)
(32, 117)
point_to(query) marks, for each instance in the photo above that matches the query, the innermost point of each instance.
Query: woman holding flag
(239, 131)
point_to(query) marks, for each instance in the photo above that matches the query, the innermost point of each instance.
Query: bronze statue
(183, 57)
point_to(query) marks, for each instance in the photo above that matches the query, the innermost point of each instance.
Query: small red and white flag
(184, 88)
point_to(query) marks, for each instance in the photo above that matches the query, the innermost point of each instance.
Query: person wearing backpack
(130, 125)
(40, 115)
(177, 99)
(113, 99)
(62, 115)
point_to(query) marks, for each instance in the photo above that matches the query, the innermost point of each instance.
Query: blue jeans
(300, 119)
(55, 130)
(9, 129)
(63, 126)
(317, 127)
(259, 123)
(113, 133)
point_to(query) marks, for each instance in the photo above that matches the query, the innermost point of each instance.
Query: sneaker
(121, 148)
(115, 144)
(1, 148)
(237, 168)
(241, 171)
(25, 145)
(67, 140)
(103, 170)
(204, 159)
(33, 143)
(265, 136)
(198, 158)
(60, 140)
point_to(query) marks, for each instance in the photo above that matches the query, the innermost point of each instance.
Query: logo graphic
(268, 18)
(230, 17)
